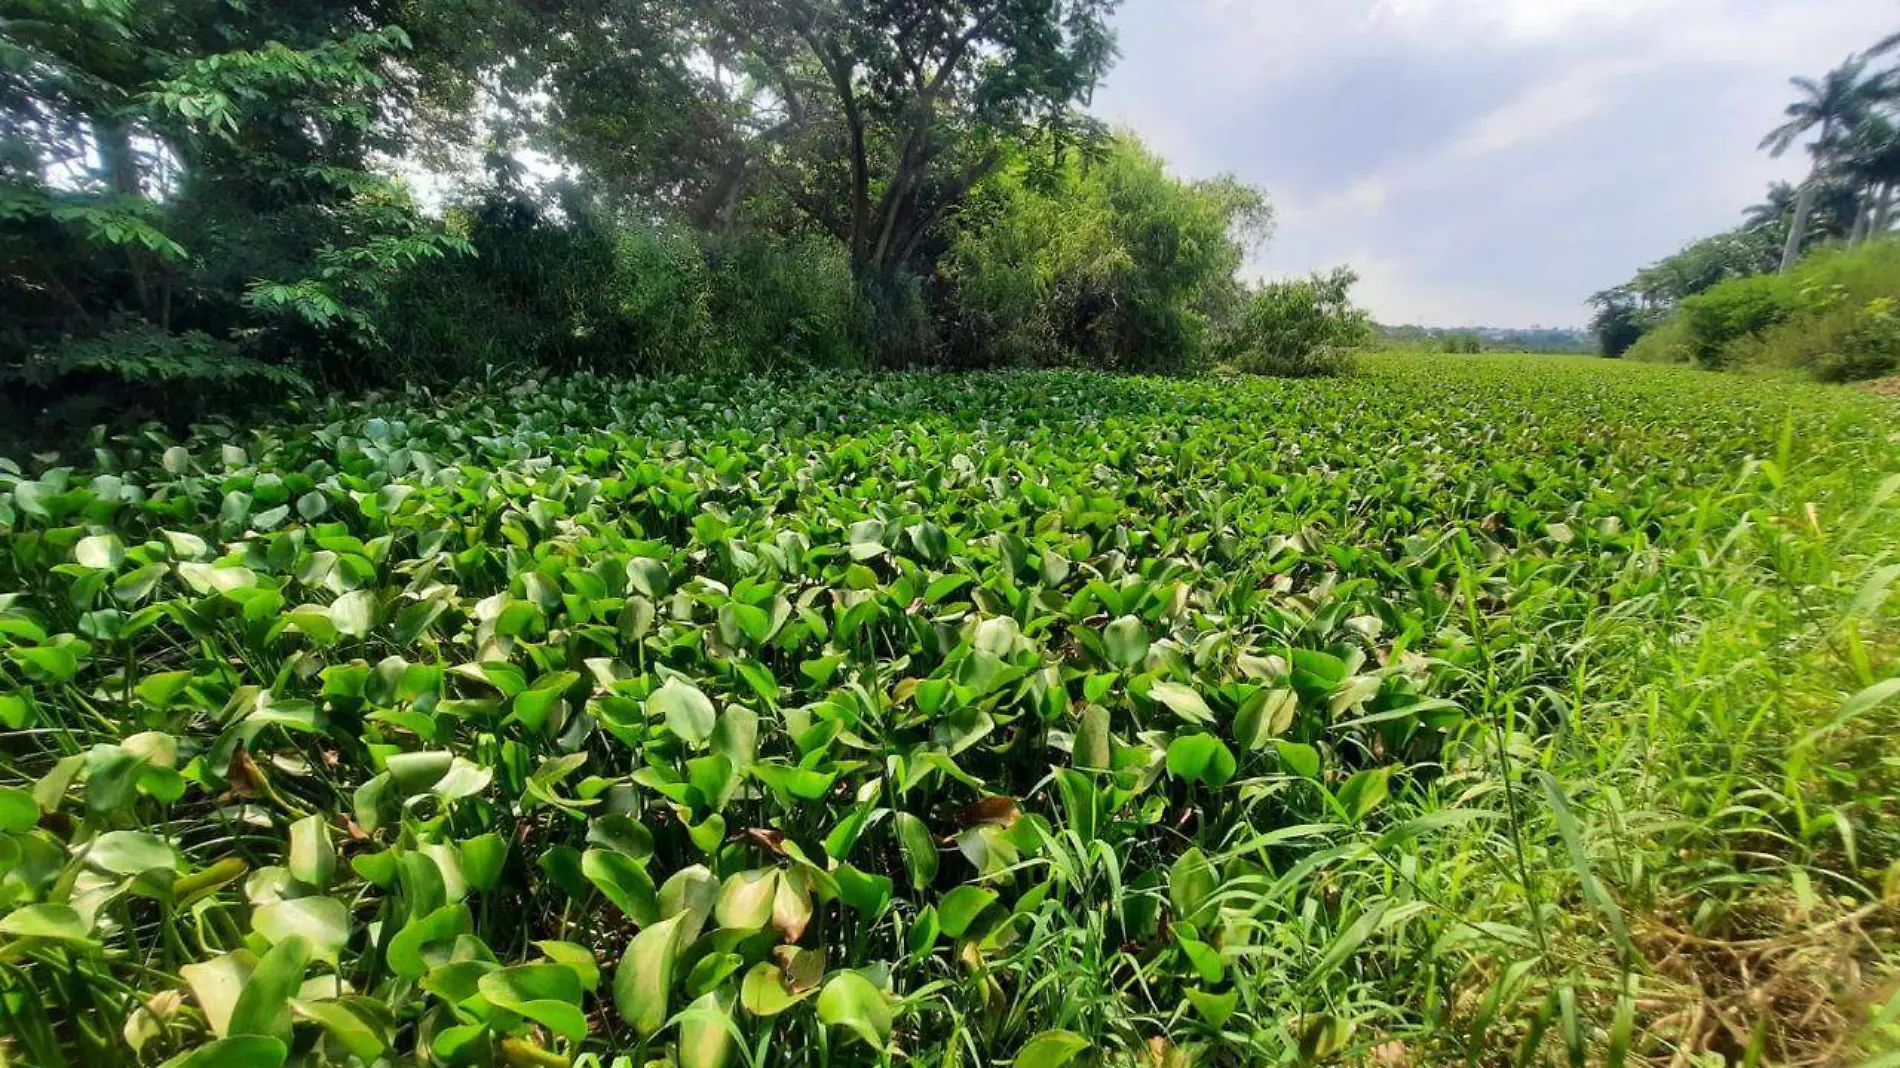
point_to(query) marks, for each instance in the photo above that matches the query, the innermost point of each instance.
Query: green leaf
(101, 552)
(867, 894)
(1299, 758)
(415, 773)
(263, 1005)
(483, 857)
(245, 1051)
(132, 853)
(218, 984)
(648, 577)
(1183, 701)
(765, 991)
(50, 664)
(1265, 716)
(853, 1002)
(576, 958)
(54, 923)
(354, 613)
(1325, 1037)
(707, 1039)
(405, 954)
(919, 848)
(549, 994)
(350, 1022)
(1204, 958)
(312, 854)
(800, 784)
(18, 810)
(1050, 1049)
(625, 882)
(692, 892)
(1201, 758)
(1216, 1009)
(1093, 750)
(533, 706)
(322, 921)
(1364, 792)
(688, 713)
(1192, 881)
(745, 900)
(1127, 642)
(961, 907)
(644, 980)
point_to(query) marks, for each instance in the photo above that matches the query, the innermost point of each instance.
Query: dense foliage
(1833, 317)
(1302, 327)
(1847, 197)
(199, 203)
(1102, 260)
(186, 209)
(1544, 339)
(1057, 718)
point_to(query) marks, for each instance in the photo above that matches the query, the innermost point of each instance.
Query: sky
(1480, 162)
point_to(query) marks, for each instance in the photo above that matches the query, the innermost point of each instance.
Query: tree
(1869, 153)
(1843, 97)
(187, 196)
(1620, 321)
(918, 98)
(1098, 258)
(1772, 212)
(1303, 327)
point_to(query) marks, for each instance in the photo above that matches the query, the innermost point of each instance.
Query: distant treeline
(1488, 339)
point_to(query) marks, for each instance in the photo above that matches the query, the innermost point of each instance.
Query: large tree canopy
(870, 120)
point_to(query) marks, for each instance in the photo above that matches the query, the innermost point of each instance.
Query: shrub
(1666, 343)
(1832, 318)
(1620, 322)
(1100, 260)
(531, 297)
(1847, 343)
(783, 302)
(584, 294)
(1303, 328)
(1734, 310)
(1463, 343)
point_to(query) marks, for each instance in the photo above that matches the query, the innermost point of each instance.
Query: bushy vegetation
(200, 206)
(1832, 317)
(1467, 340)
(1099, 259)
(1302, 327)
(1463, 343)
(1847, 198)
(1049, 718)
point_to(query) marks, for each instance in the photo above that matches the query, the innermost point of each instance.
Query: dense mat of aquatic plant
(1047, 718)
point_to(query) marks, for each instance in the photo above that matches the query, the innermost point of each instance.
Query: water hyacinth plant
(1451, 713)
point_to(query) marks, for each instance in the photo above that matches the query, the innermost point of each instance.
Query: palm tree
(1870, 154)
(1840, 99)
(1773, 212)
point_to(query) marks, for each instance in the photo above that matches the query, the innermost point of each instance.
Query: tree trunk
(1863, 219)
(1798, 226)
(1804, 205)
(121, 165)
(120, 161)
(1883, 210)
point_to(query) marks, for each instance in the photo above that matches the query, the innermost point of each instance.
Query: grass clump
(1458, 711)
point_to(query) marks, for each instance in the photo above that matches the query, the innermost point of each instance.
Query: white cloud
(1578, 94)
(1481, 160)
(1515, 19)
